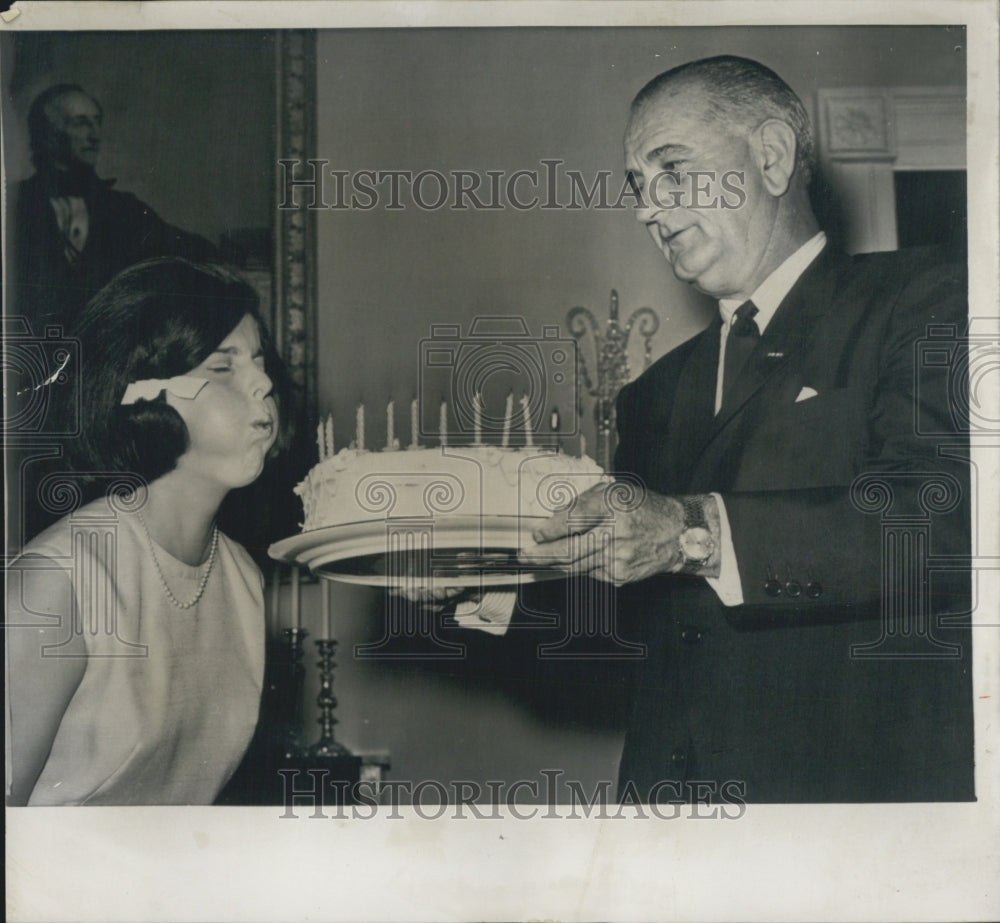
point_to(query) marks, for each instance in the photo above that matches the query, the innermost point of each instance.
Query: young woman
(135, 628)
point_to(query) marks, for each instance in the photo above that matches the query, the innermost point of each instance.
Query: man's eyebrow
(667, 149)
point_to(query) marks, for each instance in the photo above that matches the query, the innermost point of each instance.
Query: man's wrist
(700, 553)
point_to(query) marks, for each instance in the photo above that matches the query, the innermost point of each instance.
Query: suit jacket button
(814, 590)
(690, 634)
(772, 588)
(793, 589)
(678, 757)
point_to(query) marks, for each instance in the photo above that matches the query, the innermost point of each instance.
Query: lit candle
(477, 419)
(319, 440)
(414, 423)
(295, 591)
(390, 425)
(507, 414)
(526, 416)
(583, 444)
(330, 450)
(554, 420)
(324, 589)
(359, 428)
(443, 423)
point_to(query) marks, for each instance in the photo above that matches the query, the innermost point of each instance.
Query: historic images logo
(547, 187)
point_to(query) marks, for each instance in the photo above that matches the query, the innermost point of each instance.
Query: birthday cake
(472, 480)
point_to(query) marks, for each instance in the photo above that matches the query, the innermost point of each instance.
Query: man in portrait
(71, 231)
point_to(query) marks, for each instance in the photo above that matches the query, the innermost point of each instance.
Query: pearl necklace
(163, 580)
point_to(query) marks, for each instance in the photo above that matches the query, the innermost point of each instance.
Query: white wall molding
(867, 133)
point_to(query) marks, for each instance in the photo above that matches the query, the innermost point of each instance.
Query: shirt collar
(772, 290)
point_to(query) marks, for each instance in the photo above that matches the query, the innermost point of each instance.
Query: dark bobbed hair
(741, 92)
(40, 131)
(157, 319)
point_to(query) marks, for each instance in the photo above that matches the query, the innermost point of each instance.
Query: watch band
(694, 513)
(694, 518)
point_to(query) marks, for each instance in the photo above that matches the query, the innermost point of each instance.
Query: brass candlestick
(610, 365)
(327, 702)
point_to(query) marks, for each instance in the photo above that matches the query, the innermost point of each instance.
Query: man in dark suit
(70, 230)
(779, 563)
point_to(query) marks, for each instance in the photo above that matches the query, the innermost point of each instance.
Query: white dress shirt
(767, 297)
(74, 224)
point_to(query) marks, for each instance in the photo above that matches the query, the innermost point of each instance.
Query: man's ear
(775, 145)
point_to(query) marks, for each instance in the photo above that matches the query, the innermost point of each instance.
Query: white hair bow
(149, 389)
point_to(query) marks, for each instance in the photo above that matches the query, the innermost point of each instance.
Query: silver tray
(457, 551)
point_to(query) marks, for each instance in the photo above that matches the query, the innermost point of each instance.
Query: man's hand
(643, 541)
(434, 597)
(481, 609)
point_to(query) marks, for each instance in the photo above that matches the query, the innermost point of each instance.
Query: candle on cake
(330, 450)
(320, 446)
(391, 442)
(477, 419)
(359, 428)
(443, 423)
(526, 417)
(507, 414)
(414, 424)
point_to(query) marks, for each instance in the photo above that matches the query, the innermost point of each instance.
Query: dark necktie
(743, 337)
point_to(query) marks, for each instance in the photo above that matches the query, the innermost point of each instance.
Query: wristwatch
(695, 542)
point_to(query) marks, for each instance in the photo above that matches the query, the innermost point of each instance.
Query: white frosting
(355, 486)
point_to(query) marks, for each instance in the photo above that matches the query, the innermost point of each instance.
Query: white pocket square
(805, 394)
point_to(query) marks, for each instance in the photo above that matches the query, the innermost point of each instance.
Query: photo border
(778, 862)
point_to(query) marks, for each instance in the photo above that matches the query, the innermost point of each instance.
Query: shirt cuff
(727, 585)
(491, 614)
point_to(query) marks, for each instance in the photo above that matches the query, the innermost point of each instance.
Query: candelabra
(611, 364)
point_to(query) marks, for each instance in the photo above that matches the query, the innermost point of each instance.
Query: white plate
(456, 551)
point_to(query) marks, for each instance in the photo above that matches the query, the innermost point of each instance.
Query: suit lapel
(792, 325)
(693, 407)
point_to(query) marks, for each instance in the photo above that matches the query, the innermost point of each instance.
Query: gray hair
(742, 92)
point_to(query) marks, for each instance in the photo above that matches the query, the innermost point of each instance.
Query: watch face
(696, 544)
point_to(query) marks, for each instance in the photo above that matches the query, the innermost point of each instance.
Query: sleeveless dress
(169, 697)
